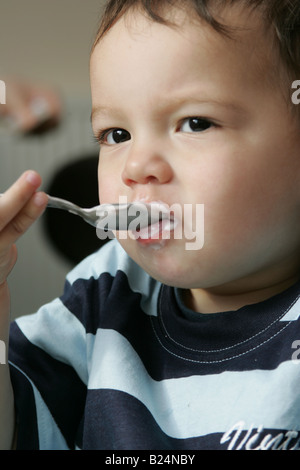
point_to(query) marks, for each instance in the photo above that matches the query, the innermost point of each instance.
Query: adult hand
(29, 107)
(20, 206)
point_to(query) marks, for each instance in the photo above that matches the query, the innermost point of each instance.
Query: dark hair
(283, 16)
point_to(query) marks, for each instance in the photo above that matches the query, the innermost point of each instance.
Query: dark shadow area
(70, 236)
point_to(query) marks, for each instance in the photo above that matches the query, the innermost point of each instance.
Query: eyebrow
(102, 110)
(174, 103)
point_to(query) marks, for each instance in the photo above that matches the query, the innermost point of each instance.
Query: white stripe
(111, 258)
(50, 437)
(198, 405)
(58, 332)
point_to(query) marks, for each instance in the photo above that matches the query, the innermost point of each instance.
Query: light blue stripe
(109, 258)
(50, 437)
(112, 258)
(58, 332)
(198, 405)
(293, 313)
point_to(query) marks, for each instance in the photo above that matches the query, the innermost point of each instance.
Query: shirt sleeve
(51, 352)
(48, 378)
(48, 365)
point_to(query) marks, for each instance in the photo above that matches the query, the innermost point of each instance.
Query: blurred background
(46, 45)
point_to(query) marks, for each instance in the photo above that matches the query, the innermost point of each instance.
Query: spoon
(114, 216)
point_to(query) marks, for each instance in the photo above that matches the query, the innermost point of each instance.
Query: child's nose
(144, 166)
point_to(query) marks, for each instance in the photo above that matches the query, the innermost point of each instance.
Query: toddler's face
(186, 116)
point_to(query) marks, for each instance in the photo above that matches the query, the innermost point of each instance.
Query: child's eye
(195, 124)
(113, 136)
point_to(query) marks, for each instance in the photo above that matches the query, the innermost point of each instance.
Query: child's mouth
(156, 233)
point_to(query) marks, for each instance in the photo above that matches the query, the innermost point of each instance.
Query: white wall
(49, 40)
(46, 41)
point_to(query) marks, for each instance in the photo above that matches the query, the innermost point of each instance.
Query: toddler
(153, 345)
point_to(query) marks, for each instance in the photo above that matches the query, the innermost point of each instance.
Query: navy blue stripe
(228, 329)
(95, 302)
(59, 385)
(25, 411)
(136, 429)
(265, 352)
(109, 303)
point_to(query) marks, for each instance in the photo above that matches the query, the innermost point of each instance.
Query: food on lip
(149, 212)
(155, 230)
(160, 231)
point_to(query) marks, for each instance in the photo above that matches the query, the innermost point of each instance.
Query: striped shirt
(118, 362)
